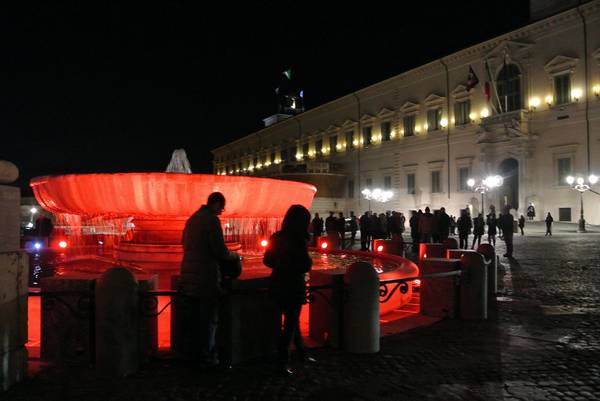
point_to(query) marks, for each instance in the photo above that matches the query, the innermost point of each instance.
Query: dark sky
(92, 87)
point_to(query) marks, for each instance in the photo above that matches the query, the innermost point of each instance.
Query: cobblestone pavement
(542, 342)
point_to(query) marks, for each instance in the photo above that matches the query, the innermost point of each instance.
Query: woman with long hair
(287, 256)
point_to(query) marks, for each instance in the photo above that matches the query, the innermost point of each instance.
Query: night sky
(92, 87)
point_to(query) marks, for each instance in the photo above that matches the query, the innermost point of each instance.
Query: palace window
(351, 189)
(435, 182)
(562, 88)
(409, 124)
(350, 139)
(564, 169)
(387, 182)
(410, 183)
(333, 140)
(305, 148)
(366, 137)
(463, 176)
(386, 131)
(319, 147)
(434, 116)
(461, 112)
(509, 88)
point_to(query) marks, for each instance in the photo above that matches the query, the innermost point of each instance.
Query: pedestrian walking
(331, 224)
(464, 226)
(426, 226)
(287, 256)
(317, 228)
(478, 229)
(353, 228)
(549, 221)
(492, 223)
(522, 224)
(443, 224)
(506, 222)
(414, 229)
(530, 211)
(364, 224)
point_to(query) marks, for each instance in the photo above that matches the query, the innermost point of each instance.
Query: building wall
(535, 137)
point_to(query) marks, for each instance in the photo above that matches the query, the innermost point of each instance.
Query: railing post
(117, 323)
(489, 253)
(361, 309)
(473, 290)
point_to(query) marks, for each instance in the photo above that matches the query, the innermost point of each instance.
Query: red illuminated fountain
(148, 210)
(136, 220)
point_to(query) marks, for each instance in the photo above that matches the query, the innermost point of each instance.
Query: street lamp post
(579, 184)
(378, 195)
(485, 185)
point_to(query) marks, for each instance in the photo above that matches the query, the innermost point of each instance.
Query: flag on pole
(288, 74)
(472, 79)
(487, 90)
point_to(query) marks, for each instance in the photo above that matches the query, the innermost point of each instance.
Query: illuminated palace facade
(533, 118)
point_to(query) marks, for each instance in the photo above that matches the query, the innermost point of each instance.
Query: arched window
(509, 88)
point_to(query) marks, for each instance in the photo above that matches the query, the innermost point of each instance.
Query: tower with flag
(290, 98)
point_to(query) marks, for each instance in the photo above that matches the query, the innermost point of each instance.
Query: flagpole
(495, 88)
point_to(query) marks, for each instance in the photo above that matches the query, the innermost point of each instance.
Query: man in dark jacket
(443, 224)
(204, 250)
(365, 232)
(353, 228)
(464, 225)
(414, 230)
(331, 224)
(317, 228)
(506, 222)
(426, 226)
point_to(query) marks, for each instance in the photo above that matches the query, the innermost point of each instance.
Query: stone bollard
(389, 246)
(431, 251)
(361, 309)
(117, 323)
(473, 288)
(450, 243)
(438, 296)
(489, 253)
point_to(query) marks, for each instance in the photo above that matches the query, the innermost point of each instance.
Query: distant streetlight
(579, 184)
(377, 194)
(485, 185)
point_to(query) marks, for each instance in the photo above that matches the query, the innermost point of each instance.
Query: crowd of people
(423, 226)
(207, 261)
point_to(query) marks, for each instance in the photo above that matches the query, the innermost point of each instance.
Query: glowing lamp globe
(570, 180)
(593, 179)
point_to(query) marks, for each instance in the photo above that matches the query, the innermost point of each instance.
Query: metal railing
(83, 307)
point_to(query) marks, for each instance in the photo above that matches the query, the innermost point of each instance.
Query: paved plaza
(542, 342)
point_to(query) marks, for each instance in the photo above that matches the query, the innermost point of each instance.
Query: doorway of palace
(509, 191)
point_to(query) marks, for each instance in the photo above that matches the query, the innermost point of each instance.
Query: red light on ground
(62, 244)
(324, 245)
(424, 256)
(380, 248)
(264, 243)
